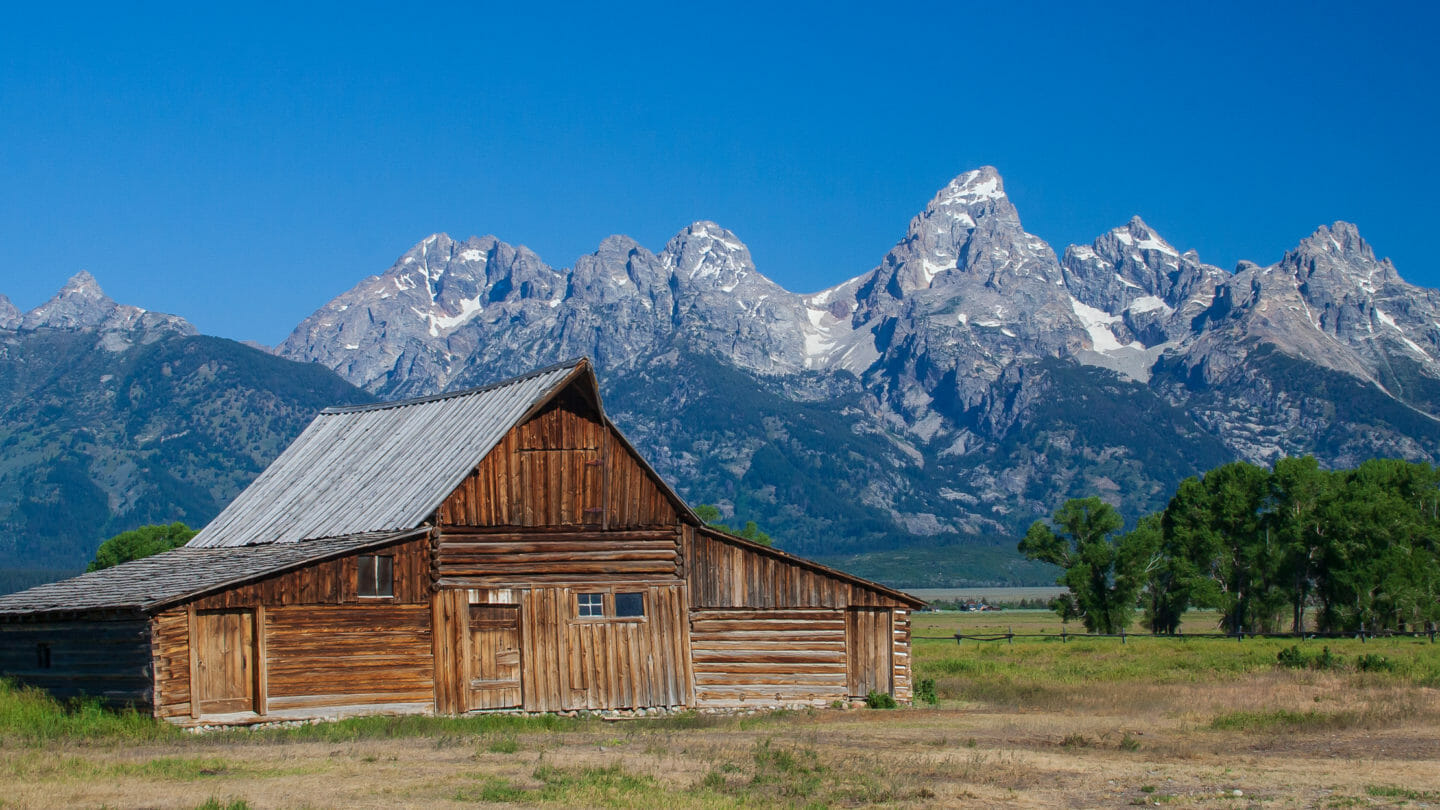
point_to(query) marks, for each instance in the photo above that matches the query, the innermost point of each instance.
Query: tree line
(1293, 547)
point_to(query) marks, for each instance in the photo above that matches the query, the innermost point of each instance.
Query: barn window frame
(375, 576)
(590, 605)
(600, 605)
(639, 611)
(42, 655)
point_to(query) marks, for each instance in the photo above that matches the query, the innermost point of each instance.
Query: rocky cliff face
(985, 378)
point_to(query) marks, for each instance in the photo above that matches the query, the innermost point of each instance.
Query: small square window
(590, 605)
(629, 604)
(377, 576)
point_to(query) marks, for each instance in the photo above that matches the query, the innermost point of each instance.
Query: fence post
(1122, 635)
(958, 638)
(1240, 632)
(1064, 640)
(1009, 635)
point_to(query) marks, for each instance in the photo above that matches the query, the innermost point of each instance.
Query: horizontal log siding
(759, 657)
(171, 655)
(903, 684)
(348, 655)
(723, 574)
(560, 468)
(102, 657)
(534, 556)
(334, 582)
(572, 663)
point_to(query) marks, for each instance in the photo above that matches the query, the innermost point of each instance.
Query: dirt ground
(1307, 741)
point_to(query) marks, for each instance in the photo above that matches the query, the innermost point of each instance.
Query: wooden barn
(501, 548)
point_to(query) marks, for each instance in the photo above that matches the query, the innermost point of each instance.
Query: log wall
(346, 655)
(726, 574)
(107, 658)
(563, 467)
(904, 691)
(762, 657)
(476, 557)
(322, 645)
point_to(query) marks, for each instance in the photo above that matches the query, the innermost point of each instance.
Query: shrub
(879, 700)
(1292, 658)
(1369, 662)
(925, 692)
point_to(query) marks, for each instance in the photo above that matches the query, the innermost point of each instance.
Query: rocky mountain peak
(79, 304)
(9, 316)
(705, 252)
(1340, 239)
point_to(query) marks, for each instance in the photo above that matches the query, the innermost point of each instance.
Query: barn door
(868, 648)
(494, 657)
(224, 679)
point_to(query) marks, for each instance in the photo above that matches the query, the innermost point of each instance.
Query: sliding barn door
(224, 680)
(868, 651)
(494, 657)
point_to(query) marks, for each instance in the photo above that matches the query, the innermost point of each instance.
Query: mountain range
(907, 422)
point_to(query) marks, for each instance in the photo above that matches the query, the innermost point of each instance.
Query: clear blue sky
(241, 167)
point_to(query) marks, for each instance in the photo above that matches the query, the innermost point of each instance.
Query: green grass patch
(1391, 792)
(1276, 719)
(30, 716)
(610, 786)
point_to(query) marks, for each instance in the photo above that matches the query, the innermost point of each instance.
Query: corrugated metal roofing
(156, 581)
(378, 467)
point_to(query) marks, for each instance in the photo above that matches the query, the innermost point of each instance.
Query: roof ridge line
(573, 362)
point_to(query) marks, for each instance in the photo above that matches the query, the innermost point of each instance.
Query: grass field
(1036, 723)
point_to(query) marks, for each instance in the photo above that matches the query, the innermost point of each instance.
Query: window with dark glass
(629, 605)
(42, 655)
(590, 605)
(377, 575)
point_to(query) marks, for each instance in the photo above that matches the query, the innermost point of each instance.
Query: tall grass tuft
(30, 716)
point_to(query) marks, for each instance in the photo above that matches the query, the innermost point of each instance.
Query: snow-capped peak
(972, 187)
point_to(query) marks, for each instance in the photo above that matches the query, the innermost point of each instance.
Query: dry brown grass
(956, 755)
(1043, 726)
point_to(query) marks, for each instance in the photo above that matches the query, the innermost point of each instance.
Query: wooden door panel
(494, 657)
(869, 648)
(225, 661)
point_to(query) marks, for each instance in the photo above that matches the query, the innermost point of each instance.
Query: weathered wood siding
(726, 574)
(108, 658)
(904, 691)
(569, 662)
(347, 655)
(474, 557)
(562, 467)
(768, 629)
(318, 644)
(334, 582)
(761, 657)
(171, 651)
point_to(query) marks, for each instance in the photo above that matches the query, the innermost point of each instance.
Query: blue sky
(241, 167)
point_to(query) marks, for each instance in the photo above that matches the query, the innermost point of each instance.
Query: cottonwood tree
(1104, 570)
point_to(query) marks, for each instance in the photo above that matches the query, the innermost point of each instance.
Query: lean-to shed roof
(380, 467)
(154, 582)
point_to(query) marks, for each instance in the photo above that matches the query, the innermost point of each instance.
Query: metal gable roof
(153, 582)
(381, 467)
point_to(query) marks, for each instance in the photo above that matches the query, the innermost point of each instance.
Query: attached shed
(492, 549)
